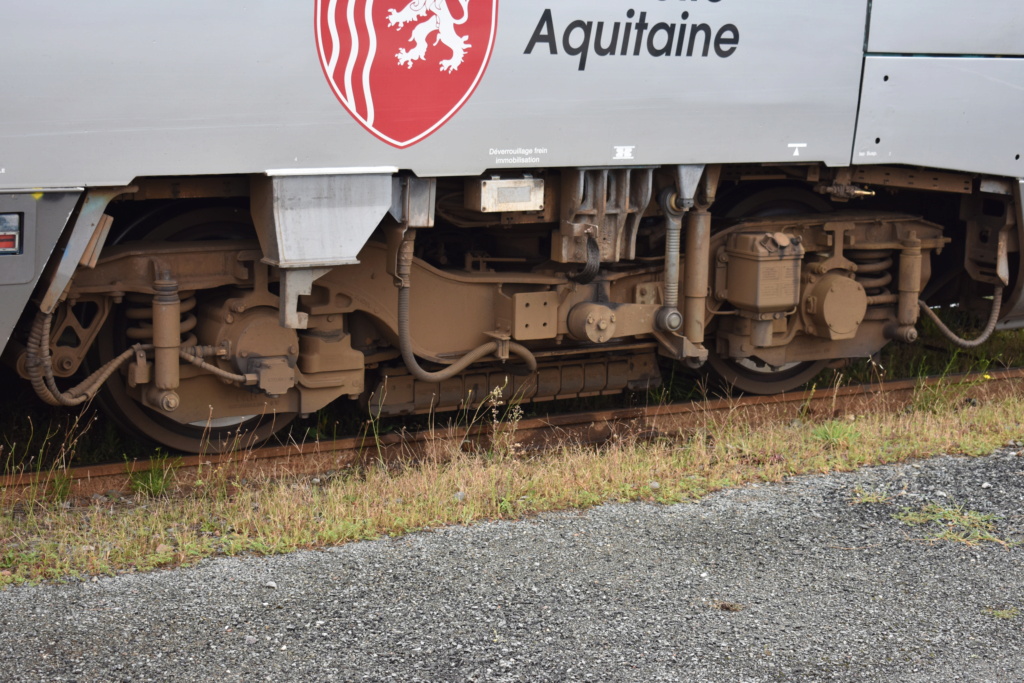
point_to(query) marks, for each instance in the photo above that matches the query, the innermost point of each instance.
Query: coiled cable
(993, 318)
(40, 367)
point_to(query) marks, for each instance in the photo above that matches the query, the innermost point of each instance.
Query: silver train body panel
(913, 111)
(947, 27)
(98, 94)
(125, 89)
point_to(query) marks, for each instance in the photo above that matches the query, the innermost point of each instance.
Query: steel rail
(591, 427)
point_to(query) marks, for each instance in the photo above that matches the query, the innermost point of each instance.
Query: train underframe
(551, 284)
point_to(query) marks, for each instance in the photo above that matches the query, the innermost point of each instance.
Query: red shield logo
(402, 68)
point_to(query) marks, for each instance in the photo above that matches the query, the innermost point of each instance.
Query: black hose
(993, 318)
(588, 272)
(405, 344)
(405, 255)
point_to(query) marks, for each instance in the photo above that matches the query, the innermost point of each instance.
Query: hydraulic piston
(166, 341)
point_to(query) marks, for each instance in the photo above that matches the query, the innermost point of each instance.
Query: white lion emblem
(440, 21)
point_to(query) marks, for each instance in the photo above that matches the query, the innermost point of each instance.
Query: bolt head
(170, 401)
(670, 320)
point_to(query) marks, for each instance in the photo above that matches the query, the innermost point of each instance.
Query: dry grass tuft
(456, 483)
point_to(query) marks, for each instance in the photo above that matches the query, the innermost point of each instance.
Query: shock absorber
(907, 310)
(166, 343)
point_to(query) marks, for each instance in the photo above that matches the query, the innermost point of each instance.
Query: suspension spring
(139, 310)
(874, 269)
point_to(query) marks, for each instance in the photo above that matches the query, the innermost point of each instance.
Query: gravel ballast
(791, 581)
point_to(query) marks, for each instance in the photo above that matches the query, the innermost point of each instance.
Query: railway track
(591, 427)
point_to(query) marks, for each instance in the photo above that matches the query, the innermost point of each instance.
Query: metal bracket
(603, 204)
(413, 201)
(89, 232)
(1002, 255)
(687, 181)
(837, 260)
(395, 235)
(678, 347)
(138, 372)
(296, 282)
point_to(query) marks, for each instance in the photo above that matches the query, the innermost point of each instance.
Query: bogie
(791, 281)
(416, 209)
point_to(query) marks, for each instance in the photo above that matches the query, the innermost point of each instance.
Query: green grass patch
(953, 523)
(157, 479)
(868, 496)
(1006, 613)
(836, 434)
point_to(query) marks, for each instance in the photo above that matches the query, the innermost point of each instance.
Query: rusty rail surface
(591, 427)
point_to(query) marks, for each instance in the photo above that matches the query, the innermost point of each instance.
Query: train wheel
(218, 222)
(743, 374)
(208, 436)
(784, 200)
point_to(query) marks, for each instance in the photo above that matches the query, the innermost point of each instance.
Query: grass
(933, 356)
(166, 524)
(865, 496)
(456, 483)
(954, 523)
(157, 479)
(1007, 613)
(835, 434)
(60, 485)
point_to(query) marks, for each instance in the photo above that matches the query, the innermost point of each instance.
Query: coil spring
(139, 310)
(874, 269)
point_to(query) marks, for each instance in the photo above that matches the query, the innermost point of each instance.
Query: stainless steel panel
(943, 112)
(99, 93)
(947, 27)
(318, 221)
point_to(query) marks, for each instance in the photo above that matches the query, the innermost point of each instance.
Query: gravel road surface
(787, 582)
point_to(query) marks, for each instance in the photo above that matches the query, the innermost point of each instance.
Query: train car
(217, 216)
